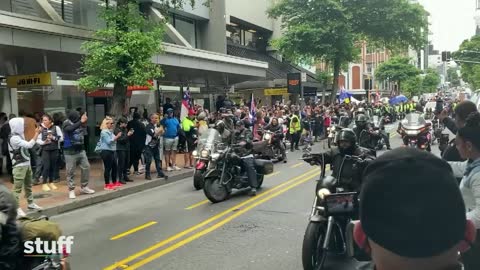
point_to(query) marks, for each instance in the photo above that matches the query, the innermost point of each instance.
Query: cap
(169, 110)
(410, 204)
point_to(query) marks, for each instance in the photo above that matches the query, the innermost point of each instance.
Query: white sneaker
(176, 168)
(34, 206)
(20, 212)
(45, 188)
(87, 190)
(71, 194)
(169, 169)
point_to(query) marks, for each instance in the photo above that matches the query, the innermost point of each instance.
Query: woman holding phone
(51, 136)
(108, 146)
(123, 149)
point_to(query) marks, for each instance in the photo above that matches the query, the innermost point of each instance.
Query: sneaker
(108, 187)
(34, 206)
(138, 173)
(45, 187)
(148, 177)
(71, 194)
(162, 176)
(176, 168)
(118, 184)
(169, 169)
(20, 212)
(253, 192)
(128, 180)
(87, 190)
(53, 186)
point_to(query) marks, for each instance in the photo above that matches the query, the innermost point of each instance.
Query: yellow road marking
(272, 175)
(134, 230)
(197, 205)
(207, 221)
(297, 165)
(215, 226)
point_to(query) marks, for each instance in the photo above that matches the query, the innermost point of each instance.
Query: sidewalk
(57, 202)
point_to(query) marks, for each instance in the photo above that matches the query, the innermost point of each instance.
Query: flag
(344, 96)
(253, 110)
(186, 104)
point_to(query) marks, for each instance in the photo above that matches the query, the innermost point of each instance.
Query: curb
(103, 196)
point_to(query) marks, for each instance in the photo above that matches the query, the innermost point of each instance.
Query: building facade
(41, 39)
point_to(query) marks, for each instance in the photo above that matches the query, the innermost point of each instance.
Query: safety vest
(294, 127)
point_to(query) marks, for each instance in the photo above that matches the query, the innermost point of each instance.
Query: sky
(451, 22)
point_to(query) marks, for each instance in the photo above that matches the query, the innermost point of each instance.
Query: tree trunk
(398, 89)
(118, 100)
(336, 75)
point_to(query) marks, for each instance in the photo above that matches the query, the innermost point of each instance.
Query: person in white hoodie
(468, 145)
(22, 171)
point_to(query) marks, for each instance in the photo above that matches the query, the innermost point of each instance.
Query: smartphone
(131, 130)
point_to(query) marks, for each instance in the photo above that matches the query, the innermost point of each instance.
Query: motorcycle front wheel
(215, 191)
(313, 254)
(198, 180)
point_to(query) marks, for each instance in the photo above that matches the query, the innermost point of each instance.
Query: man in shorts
(170, 140)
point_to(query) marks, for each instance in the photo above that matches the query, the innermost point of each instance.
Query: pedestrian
(18, 145)
(172, 127)
(107, 147)
(123, 149)
(137, 142)
(152, 147)
(74, 130)
(190, 130)
(295, 130)
(49, 140)
(412, 221)
(468, 145)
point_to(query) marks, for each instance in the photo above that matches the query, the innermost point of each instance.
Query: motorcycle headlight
(322, 193)
(195, 153)
(332, 128)
(215, 156)
(204, 153)
(268, 137)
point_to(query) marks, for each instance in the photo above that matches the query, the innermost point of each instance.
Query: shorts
(170, 144)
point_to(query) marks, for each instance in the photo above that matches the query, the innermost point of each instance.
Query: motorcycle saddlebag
(264, 166)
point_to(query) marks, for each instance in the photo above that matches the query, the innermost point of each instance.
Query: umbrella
(398, 99)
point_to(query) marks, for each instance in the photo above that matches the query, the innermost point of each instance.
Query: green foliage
(396, 69)
(121, 53)
(469, 51)
(413, 86)
(327, 30)
(452, 77)
(431, 81)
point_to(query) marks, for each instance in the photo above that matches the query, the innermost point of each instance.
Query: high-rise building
(477, 18)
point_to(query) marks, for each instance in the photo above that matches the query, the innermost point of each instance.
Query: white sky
(451, 22)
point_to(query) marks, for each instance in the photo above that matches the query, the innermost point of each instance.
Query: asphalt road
(174, 227)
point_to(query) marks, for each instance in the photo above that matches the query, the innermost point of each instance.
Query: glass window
(25, 7)
(186, 28)
(234, 34)
(249, 39)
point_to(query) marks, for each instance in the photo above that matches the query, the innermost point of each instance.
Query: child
(18, 147)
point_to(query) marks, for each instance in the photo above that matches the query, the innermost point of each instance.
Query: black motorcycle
(416, 132)
(206, 145)
(227, 172)
(268, 147)
(333, 209)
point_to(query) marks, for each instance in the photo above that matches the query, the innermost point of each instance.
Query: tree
(413, 86)
(328, 30)
(469, 51)
(396, 69)
(452, 77)
(431, 81)
(121, 52)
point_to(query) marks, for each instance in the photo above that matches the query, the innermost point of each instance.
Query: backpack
(41, 227)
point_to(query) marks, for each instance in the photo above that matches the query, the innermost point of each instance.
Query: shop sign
(104, 93)
(294, 82)
(275, 91)
(140, 88)
(32, 80)
(310, 92)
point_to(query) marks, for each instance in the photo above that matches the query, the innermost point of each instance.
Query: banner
(32, 80)
(275, 91)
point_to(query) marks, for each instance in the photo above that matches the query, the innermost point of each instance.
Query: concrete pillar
(212, 34)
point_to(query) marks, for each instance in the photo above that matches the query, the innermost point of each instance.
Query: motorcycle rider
(347, 145)
(277, 129)
(362, 130)
(244, 138)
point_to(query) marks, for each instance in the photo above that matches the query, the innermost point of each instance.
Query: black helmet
(348, 135)
(240, 123)
(361, 120)
(220, 126)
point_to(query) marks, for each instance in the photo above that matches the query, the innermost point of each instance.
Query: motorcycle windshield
(376, 120)
(414, 121)
(209, 139)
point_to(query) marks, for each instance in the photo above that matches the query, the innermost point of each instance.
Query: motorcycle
(333, 210)
(416, 132)
(226, 172)
(343, 122)
(437, 128)
(269, 149)
(206, 143)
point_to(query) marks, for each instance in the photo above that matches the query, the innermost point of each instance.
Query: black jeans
(295, 140)
(135, 156)
(110, 164)
(123, 158)
(152, 153)
(49, 165)
(249, 166)
(386, 137)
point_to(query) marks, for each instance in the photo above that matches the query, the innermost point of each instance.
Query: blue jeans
(155, 154)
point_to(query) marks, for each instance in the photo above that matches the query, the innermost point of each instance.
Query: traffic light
(446, 56)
